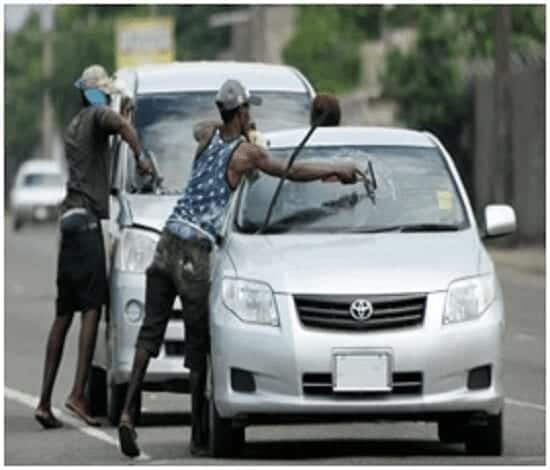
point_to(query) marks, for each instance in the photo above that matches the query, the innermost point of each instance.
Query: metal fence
(511, 170)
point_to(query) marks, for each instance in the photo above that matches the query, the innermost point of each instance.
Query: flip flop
(48, 421)
(82, 415)
(127, 437)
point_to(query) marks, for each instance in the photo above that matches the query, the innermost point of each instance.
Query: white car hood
(356, 264)
(151, 211)
(39, 196)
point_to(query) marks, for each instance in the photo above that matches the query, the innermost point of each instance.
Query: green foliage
(23, 94)
(429, 82)
(326, 47)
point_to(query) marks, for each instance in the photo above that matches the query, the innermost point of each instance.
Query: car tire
(487, 438)
(117, 397)
(97, 391)
(17, 224)
(451, 430)
(224, 440)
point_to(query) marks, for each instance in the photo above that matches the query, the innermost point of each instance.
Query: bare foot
(47, 419)
(79, 408)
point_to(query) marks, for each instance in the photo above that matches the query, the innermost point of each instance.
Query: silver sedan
(372, 301)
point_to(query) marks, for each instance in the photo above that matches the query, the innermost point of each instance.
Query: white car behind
(38, 189)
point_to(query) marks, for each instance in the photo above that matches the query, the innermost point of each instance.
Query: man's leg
(54, 352)
(76, 401)
(159, 299)
(197, 347)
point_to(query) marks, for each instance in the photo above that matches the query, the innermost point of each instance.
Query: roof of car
(41, 165)
(336, 136)
(207, 76)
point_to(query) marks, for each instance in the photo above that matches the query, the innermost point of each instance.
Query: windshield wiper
(311, 214)
(429, 227)
(426, 227)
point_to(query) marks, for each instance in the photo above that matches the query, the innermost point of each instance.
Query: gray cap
(233, 94)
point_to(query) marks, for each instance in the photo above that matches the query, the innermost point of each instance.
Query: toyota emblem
(361, 309)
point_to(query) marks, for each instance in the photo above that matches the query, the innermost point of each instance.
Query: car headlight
(250, 301)
(468, 299)
(137, 248)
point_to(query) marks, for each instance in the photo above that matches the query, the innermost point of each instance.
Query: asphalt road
(29, 309)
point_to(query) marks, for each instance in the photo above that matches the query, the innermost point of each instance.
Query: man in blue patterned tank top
(181, 262)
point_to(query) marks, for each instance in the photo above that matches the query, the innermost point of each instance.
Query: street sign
(144, 41)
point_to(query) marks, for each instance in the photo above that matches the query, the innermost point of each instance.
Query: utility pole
(503, 168)
(47, 128)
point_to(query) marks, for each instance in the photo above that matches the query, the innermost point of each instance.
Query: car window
(42, 180)
(414, 187)
(165, 124)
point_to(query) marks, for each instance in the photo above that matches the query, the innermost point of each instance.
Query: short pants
(81, 270)
(180, 267)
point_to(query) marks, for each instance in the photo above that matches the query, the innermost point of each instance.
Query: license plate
(362, 372)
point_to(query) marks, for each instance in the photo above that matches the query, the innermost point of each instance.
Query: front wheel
(485, 438)
(97, 391)
(224, 439)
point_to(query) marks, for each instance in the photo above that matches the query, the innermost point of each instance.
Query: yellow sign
(445, 200)
(144, 41)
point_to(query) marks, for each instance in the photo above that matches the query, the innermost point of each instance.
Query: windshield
(414, 186)
(165, 124)
(43, 180)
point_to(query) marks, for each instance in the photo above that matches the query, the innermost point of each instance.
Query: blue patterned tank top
(199, 212)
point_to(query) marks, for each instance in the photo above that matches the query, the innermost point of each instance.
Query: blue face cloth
(96, 97)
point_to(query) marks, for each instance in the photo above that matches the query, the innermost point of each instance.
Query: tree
(326, 47)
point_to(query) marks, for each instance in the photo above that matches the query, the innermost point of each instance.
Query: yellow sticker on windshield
(444, 200)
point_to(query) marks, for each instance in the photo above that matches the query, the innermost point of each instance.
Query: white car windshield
(165, 124)
(43, 180)
(415, 191)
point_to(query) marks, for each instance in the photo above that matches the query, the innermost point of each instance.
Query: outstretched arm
(250, 157)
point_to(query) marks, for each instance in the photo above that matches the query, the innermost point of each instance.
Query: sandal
(127, 437)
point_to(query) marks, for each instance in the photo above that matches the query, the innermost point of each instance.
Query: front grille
(403, 383)
(174, 348)
(333, 312)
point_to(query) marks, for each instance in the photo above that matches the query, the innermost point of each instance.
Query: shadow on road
(330, 448)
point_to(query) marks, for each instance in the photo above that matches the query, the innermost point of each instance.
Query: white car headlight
(468, 299)
(250, 301)
(137, 248)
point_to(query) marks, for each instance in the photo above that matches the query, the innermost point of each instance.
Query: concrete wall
(521, 182)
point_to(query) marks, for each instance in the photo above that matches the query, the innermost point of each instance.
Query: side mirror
(500, 220)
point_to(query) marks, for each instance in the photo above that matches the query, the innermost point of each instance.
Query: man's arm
(250, 157)
(113, 123)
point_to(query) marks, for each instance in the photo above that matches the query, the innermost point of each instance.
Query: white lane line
(32, 401)
(525, 404)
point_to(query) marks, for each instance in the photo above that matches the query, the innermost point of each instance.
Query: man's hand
(144, 164)
(345, 173)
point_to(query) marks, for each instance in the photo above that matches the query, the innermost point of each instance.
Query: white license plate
(362, 372)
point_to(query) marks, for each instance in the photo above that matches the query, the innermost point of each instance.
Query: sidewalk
(527, 259)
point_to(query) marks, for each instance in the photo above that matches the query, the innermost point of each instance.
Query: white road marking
(32, 401)
(525, 404)
(524, 337)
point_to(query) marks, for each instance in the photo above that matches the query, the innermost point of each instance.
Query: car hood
(151, 211)
(354, 264)
(38, 195)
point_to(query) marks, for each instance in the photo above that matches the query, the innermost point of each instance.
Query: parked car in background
(359, 302)
(38, 189)
(170, 99)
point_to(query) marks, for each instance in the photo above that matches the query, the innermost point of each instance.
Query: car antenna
(297, 150)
